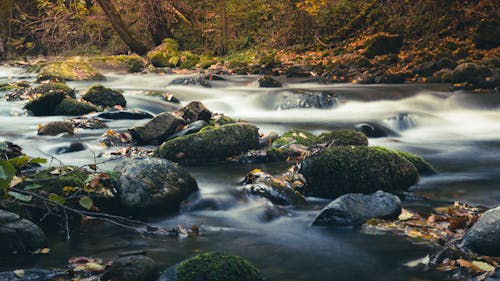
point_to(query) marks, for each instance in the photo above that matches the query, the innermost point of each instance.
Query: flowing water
(459, 133)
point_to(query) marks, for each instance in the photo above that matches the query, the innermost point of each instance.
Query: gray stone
(19, 236)
(55, 128)
(158, 129)
(484, 236)
(356, 208)
(132, 268)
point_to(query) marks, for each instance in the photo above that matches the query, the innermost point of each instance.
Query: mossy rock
(105, 97)
(382, 44)
(127, 63)
(423, 167)
(215, 144)
(53, 88)
(221, 120)
(54, 179)
(344, 137)
(470, 72)
(188, 60)
(75, 69)
(14, 86)
(267, 81)
(356, 169)
(206, 61)
(46, 104)
(166, 54)
(297, 136)
(217, 267)
(72, 107)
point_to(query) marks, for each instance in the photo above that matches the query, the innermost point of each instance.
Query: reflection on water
(457, 132)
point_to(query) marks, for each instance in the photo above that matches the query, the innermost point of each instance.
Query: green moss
(423, 167)
(356, 169)
(131, 63)
(188, 60)
(70, 106)
(166, 54)
(217, 267)
(106, 97)
(297, 136)
(14, 86)
(344, 137)
(206, 61)
(53, 88)
(75, 69)
(46, 104)
(53, 180)
(221, 120)
(210, 145)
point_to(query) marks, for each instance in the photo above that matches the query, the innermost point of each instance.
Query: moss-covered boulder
(46, 104)
(470, 72)
(215, 144)
(75, 69)
(19, 85)
(423, 167)
(344, 137)
(159, 129)
(52, 88)
(72, 107)
(297, 136)
(105, 97)
(19, 236)
(267, 81)
(356, 169)
(120, 63)
(54, 179)
(166, 54)
(214, 267)
(383, 43)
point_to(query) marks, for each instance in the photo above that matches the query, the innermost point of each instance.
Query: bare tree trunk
(157, 21)
(123, 31)
(5, 14)
(224, 35)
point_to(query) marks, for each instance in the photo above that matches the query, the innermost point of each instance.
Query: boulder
(132, 268)
(356, 169)
(75, 69)
(344, 137)
(213, 267)
(166, 54)
(356, 209)
(120, 63)
(307, 99)
(383, 43)
(105, 97)
(424, 168)
(55, 128)
(19, 236)
(52, 88)
(72, 107)
(200, 81)
(46, 104)
(194, 111)
(152, 185)
(470, 72)
(484, 236)
(267, 81)
(487, 34)
(158, 129)
(211, 144)
(277, 194)
(192, 128)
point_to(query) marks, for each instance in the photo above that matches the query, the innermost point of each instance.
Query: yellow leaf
(405, 215)
(424, 261)
(15, 180)
(45, 251)
(255, 171)
(483, 266)
(19, 273)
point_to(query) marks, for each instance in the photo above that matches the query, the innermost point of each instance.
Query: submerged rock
(158, 129)
(213, 267)
(105, 97)
(214, 144)
(33, 274)
(401, 121)
(152, 185)
(356, 169)
(124, 115)
(267, 81)
(281, 195)
(132, 268)
(72, 147)
(484, 236)
(19, 236)
(356, 208)
(308, 99)
(200, 81)
(55, 128)
(374, 130)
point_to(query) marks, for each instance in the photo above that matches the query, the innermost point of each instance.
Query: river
(459, 133)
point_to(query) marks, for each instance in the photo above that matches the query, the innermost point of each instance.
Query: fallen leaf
(483, 266)
(422, 261)
(405, 215)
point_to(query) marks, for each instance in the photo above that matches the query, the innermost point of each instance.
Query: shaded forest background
(83, 27)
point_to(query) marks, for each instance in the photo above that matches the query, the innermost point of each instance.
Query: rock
(211, 145)
(307, 99)
(73, 147)
(10, 150)
(267, 139)
(297, 72)
(32, 274)
(165, 95)
(470, 72)
(390, 78)
(55, 128)
(487, 34)
(356, 209)
(213, 267)
(296, 136)
(356, 169)
(277, 194)
(125, 115)
(46, 104)
(401, 121)
(267, 81)
(200, 81)
(132, 268)
(52, 88)
(72, 107)
(344, 137)
(19, 236)
(382, 43)
(484, 236)
(194, 111)
(152, 185)
(190, 129)
(444, 75)
(106, 97)
(166, 54)
(158, 129)
(375, 130)
(120, 63)
(75, 69)
(424, 168)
